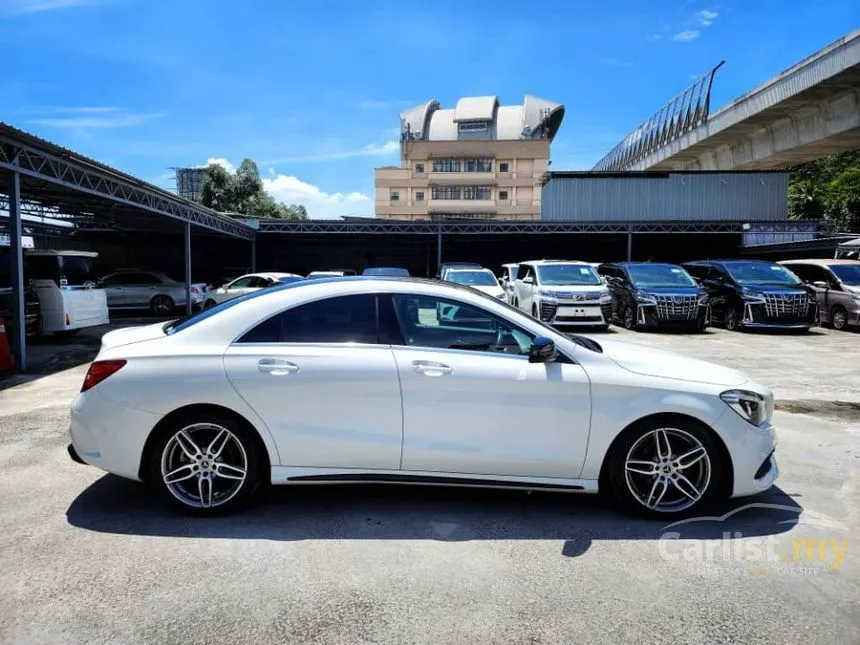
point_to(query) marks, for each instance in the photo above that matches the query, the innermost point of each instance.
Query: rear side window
(344, 319)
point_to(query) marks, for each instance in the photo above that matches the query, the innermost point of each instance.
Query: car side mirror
(528, 280)
(820, 284)
(542, 350)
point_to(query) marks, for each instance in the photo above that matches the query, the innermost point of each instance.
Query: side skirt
(288, 475)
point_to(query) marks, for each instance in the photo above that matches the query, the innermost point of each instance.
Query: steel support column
(19, 348)
(630, 245)
(187, 269)
(253, 255)
(438, 250)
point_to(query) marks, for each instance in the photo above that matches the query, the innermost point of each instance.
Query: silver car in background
(153, 290)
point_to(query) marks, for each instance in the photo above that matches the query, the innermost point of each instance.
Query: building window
(478, 165)
(503, 167)
(446, 165)
(475, 126)
(395, 196)
(477, 192)
(419, 196)
(446, 192)
(503, 195)
(419, 168)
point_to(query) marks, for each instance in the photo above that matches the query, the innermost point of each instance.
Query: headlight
(856, 296)
(647, 298)
(753, 296)
(604, 294)
(750, 405)
(543, 293)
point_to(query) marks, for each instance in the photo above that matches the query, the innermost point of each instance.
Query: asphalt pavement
(91, 558)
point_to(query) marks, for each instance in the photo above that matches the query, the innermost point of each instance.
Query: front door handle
(276, 366)
(431, 368)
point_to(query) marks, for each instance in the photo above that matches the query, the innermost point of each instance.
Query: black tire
(731, 319)
(209, 304)
(704, 473)
(67, 333)
(242, 447)
(162, 305)
(628, 318)
(839, 318)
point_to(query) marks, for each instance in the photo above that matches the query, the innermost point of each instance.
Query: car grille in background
(677, 307)
(788, 305)
(547, 310)
(577, 296)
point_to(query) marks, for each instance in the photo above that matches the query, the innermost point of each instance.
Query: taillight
(99, 371)
(195, 290)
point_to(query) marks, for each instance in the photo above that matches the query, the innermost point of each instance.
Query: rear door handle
(431, 368)
(276, 366)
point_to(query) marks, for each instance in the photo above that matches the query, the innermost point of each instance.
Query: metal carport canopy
(39, 176)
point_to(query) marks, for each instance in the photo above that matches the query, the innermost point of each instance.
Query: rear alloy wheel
(731, 319)
(665, 469)
(208, 467)
(161, 305)
(628, 319)
(839, 317)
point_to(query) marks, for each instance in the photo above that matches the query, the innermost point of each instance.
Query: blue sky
(312, 90)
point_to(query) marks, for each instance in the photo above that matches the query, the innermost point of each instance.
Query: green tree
(828, 189)
(243, 192)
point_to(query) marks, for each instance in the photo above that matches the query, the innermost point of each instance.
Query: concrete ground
(90, 558)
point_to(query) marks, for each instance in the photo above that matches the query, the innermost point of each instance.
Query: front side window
(656, 276)
(848, 274)
(761, 273)
(568, 274)
(344, 319)
(429, 321)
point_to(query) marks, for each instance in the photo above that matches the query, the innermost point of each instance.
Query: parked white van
(68, 296)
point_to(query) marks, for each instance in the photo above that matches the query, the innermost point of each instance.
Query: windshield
(848, 274)
(762, 273)
(657, 275)
(483, 278)
(568, 274)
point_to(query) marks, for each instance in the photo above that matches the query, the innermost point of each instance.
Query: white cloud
(17, 7)
(94, 117)
(219, 161)
(706, 17)
(373, 150)
(320, 205)
(686, 36)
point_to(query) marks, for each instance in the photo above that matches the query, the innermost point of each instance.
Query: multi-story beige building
(480, 160)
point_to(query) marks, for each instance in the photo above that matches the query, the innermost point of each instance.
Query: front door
(472, 403)
(327, 391)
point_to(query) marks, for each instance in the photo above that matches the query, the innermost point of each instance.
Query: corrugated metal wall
(674, 196)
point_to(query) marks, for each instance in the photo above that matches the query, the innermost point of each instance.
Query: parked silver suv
(837, 286)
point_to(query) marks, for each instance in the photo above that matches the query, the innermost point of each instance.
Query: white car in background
(563, 293)
(362, 380)
(483, 280)
(247, 284)
(508, 277)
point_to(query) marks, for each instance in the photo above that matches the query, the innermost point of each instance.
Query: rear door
(324, 384)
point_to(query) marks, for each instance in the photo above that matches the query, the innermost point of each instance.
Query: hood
(573, 288)
(776, 288)
(130, 335)
(490, 290)
(673, 291)
(655, 362)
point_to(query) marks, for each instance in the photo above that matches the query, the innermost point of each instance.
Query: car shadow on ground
(379, 512)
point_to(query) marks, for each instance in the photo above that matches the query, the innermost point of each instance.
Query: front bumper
(648, 316)
(561, 313)
(755, 316)
(752, 453)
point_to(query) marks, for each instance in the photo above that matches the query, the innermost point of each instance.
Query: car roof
(822, 262)
(653, 264)
(734, 261)
(555, 262)
(464, 269)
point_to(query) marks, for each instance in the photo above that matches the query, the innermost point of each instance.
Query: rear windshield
(656, 275)
(762, 273)
(482, 278)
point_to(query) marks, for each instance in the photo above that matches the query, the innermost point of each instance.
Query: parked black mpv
(755, 293)
(653, 294)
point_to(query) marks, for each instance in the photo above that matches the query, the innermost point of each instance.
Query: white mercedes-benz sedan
(413, 381)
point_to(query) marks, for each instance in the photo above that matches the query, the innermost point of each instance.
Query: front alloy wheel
(731, 319)
(665, 469)
(207, 467)
(161, 305)
(629, 318)
(839, 318)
